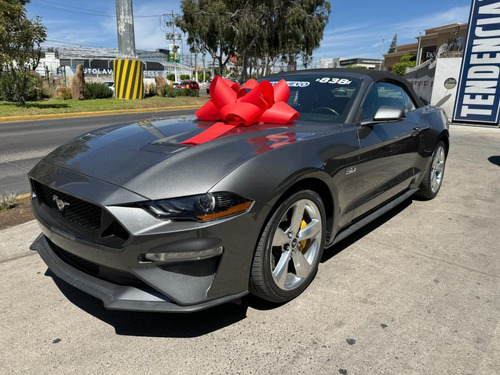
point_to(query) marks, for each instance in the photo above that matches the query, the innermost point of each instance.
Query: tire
(290, 248)
(433, 177)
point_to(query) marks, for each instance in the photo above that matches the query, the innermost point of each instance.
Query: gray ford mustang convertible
(139, 217)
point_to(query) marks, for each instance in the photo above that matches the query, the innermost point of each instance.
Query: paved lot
(415, 293)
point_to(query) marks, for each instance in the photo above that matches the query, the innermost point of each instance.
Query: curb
(96, 113)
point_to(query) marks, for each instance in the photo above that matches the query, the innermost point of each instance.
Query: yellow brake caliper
(303, 244)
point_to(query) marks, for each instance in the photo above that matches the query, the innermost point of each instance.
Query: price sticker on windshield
(334, 81)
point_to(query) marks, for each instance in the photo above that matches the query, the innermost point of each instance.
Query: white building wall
(441, 96)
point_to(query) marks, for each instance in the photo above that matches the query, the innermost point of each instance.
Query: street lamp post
(173, 37)
(382, 59)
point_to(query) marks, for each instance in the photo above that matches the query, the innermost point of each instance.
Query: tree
(407, 61)
(20, 40)
(248, 29)
(392, 47)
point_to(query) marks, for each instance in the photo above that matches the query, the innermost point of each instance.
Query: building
(427, 46)
(61, 62)
(339, 62)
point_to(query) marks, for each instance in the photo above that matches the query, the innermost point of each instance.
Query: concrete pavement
(416, 292)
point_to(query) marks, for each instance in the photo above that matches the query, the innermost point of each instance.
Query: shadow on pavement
(332, 251)
(151, 324)
(494, 160)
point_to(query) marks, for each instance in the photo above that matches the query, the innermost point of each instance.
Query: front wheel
(290, 248)
(433, 178)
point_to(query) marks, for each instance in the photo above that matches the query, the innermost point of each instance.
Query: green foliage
(171, 92)
(270, 30)
(200, 76)
(171, 77)
(9, 81)
(184, 76)
(8, 201)
(407, 61)
(97, 91)
(394, 43)
(20, 40)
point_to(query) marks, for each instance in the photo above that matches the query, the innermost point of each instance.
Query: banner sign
(478, 95)
(96, 72)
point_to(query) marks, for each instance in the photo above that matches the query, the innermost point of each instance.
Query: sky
(356, 28)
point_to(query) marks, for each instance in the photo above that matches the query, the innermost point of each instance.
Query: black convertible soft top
(374, 75)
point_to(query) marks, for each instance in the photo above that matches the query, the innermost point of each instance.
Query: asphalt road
(24, 143)
(416, 292)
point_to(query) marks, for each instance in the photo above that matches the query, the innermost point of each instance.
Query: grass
(57, 106)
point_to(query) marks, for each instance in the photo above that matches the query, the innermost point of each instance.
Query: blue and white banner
(478, 95)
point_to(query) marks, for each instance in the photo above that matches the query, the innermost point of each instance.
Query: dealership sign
(478, 95)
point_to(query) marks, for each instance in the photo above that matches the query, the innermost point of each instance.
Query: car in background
(110, 85)
(137, 216)
(192, 85)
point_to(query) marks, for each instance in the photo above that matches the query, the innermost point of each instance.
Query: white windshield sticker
(334, 81)
(294, 83)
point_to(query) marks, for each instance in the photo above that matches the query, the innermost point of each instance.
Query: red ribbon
(231, 106)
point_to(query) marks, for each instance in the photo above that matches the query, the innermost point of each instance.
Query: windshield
(325, 97)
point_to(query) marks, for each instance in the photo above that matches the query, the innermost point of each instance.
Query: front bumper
(116, 297)
(113, 267)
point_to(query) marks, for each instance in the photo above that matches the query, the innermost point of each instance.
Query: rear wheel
(290, 248)
(433, 178)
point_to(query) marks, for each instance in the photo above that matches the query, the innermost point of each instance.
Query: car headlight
(203, 207)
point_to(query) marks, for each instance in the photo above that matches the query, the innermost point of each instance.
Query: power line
(64, 42)
(51, 5)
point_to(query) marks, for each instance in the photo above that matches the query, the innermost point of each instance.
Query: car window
(384, 94)
(327, 97)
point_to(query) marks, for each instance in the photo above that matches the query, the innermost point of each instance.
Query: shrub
(184, 76)
(97, 91)
(170, 92)
(63, 93)
(48, 90)
(8, 201)
(7, 87)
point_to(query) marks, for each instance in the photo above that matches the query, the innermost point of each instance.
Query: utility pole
(128, 71)
(125, 26)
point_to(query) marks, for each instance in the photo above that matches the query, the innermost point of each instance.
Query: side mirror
(386, 114)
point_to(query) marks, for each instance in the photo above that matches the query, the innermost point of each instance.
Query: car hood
(149, 159)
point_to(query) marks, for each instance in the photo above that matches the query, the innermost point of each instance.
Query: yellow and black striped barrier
(128, 79)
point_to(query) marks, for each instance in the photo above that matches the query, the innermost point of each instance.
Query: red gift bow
(251, 103)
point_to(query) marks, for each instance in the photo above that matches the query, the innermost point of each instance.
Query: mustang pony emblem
(59, 202)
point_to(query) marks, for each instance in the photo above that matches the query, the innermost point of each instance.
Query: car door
(388, 151)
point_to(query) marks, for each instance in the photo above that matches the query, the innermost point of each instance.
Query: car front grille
(75, 210)
(88, 220)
